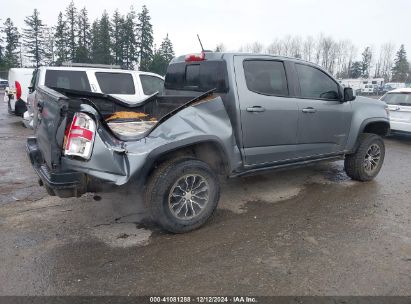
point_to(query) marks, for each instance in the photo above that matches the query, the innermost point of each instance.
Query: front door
(324, 120)
(269, 116)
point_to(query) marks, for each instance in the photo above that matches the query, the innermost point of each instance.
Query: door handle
(309, 110)
(256, 109)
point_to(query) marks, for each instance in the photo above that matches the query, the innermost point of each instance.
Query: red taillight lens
(80, 136)
(195, 57)
(18, 90)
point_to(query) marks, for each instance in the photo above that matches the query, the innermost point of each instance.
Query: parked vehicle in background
(129, 86)
(3, 84)
(221, 114)
(16, 93)
(399, 105)
(363, 85)
(389, 86)
(368, 89)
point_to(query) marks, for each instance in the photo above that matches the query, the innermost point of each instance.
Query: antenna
(199, 40)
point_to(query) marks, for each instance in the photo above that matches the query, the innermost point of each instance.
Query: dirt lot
(308, 231)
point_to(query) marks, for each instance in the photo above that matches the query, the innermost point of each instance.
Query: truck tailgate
(51, 122)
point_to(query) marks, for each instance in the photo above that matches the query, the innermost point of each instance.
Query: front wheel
(366, 162)
(182, 194)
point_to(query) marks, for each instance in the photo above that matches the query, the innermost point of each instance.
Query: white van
(130, 86)
(17, 92)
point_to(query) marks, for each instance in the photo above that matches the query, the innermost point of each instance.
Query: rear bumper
(62, 184)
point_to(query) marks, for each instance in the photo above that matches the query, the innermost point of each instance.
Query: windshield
(400, 99)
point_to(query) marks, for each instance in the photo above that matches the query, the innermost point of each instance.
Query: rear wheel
(182, 194)
(366, 162)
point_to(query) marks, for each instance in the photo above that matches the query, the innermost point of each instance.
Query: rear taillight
(195, 57)
(80, 136)
(18, 90)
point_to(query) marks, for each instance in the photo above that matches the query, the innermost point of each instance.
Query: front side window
(72, 80)
(266, 77)
(151, 84)
(116, 83)
(315, 84)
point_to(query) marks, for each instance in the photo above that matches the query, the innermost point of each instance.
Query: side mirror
(348, 94)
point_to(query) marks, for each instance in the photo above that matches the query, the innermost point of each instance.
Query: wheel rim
(372, 158)
(188, 196)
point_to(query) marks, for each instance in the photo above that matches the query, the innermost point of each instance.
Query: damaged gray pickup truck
(221, 115)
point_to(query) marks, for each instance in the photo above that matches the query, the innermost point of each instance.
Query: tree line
(340, 58)
(127, 40)
(124, 40)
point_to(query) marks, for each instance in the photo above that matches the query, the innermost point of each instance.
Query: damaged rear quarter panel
(205, 121)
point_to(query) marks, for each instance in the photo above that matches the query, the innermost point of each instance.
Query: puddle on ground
(278, 186)
(122, 235)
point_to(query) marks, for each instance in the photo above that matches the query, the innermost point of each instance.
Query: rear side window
(400, 99)
(151, 84)
(316, 84)
(116, 83)
(200, 76)
(72, 80)
(266, 77)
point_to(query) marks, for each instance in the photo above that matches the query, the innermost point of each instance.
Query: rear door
(269, 114)
(324, 120)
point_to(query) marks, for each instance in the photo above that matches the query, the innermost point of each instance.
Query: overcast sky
(235, 22)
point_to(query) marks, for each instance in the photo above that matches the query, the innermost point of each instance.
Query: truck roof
(224, 55)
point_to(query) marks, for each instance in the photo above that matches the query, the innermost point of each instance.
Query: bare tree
(276, 47)
(386, 60)
(295, 47)
(255, 47)
(287, 41)
(308, 48)
(220, 47)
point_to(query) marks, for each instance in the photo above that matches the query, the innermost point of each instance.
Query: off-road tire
(160, 185)
(354, 164)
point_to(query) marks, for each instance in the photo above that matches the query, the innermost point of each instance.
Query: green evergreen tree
(162, 57)
(166, 49)
(145, 39)
(11, 37)
(33, 37)
(72, 26)
(1, 52)
(101, 42)
(49, 43)
(117, 34)
(401, 66)
(60, 38)
(355, 70)
(129, 41)
(95, 43)
(158, 64)
(366, 62)
(83, 48)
